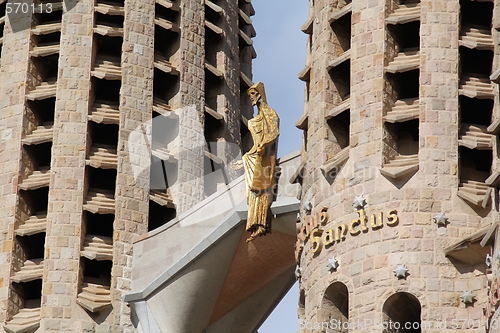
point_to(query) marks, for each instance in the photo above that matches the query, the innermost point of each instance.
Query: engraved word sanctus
(320, 238)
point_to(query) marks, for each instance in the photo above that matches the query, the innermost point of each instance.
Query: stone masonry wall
(80, 74)
(132, 195)
(14, 61)
(367, 259)
(62, 249)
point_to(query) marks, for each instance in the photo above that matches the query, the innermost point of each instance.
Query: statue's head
(257, 93)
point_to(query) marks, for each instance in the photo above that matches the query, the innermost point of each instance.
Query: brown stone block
(356, 18)
(7, 246)
(446, 299)
(398, 246)
(431, 141)
(429, 206)
(380, 262)
(404, 232)
(423, 219)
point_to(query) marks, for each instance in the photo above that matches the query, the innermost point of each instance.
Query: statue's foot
(261, 231)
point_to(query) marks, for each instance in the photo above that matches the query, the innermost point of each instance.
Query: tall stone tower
(115, 116)
(400, 165)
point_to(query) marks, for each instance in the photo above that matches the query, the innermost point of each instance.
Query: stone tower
(115, 116)
(400, 165)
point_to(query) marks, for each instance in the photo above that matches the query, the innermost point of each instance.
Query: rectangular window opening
(342, 34)
(213, 16)
(246, 139)
(114, 21)
(243, 26)
(406, 36)
(212, 130)
(212, 90)
(3, 7)
(339, 131)
(404, 136)
(47, 18)
(341, 77)
(163, 174)
(41, 111)
(476, 62)
(33, 246)
(106, 90)
(166, 42)
(105, 134)
(213, 176)
(117, 3)
(48, 39)
(165, 86)
(212, 46)
(476, 111)
(109, 46)
(475, 165)
(476, 13)
(404, 85)
(30, 293)
(99, 224)
(45, 68)
(164, 130)
(159, 215)
(97, 272)
(166, 13)
(39, 155)
(34, 201)
(104, 179)
(246, 105)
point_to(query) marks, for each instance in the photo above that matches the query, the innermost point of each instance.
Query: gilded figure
(260, 162)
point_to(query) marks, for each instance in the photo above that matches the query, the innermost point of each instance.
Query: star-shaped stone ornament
(298, 272)
(359, 202)
(308, 207)
(401, 271)
(467, 297)
(440, 219)
(333, 264)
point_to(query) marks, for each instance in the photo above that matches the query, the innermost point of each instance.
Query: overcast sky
(281, 53)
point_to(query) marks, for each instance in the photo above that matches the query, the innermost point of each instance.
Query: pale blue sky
(281, 52)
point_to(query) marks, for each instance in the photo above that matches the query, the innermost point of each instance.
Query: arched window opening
(334, 311)
(402, 314)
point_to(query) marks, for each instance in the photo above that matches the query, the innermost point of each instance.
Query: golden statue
(260, 162)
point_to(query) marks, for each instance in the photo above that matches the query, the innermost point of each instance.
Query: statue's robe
(260, 169)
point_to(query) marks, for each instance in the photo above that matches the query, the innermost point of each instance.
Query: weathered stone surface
(71, 111)
(417, 178)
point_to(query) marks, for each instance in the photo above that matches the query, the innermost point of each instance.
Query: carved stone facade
(401, 109)
(106, 109)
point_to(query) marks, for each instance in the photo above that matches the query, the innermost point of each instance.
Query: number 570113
(24, 8)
